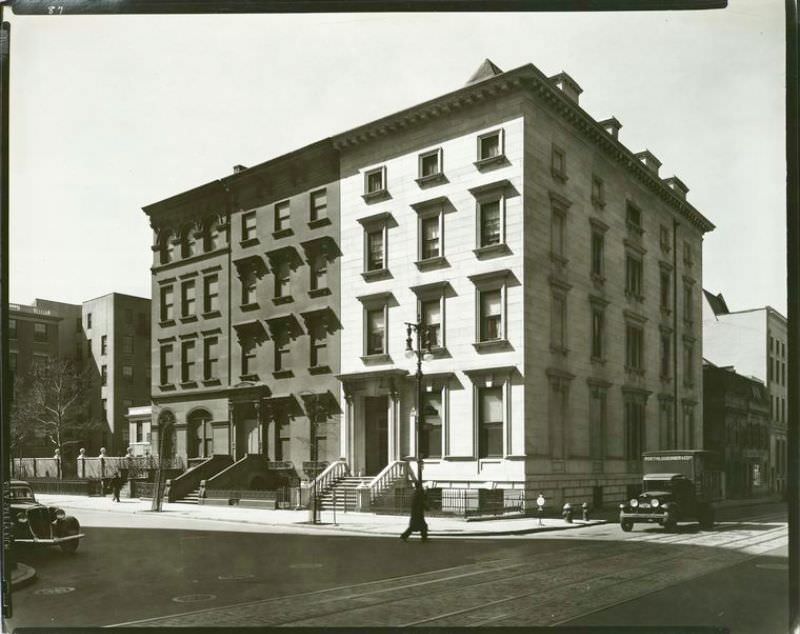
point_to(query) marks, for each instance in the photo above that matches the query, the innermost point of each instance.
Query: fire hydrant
(566, 512)
(585, 511)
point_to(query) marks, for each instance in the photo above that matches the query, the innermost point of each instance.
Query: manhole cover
(773, 566)
(56, 590)
(305, 566)
(192, 598)
(235, 577)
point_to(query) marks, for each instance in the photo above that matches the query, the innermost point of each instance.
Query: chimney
(567, 85)
(238, 168)
(677, 186)
(611, 126)
(650, 161)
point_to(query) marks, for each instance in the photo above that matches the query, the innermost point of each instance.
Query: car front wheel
(626, 525)
(70, 526)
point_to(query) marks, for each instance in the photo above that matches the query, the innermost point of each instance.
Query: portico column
(394, 424)
(231, 430)
(347, 443)
(260, 426)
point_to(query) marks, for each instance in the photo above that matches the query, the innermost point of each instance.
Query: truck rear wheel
(626, 525)
(70, 526)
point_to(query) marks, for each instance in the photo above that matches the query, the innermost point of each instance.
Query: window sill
(598, 361)
(283, 374)
(319, 222)
(495, 345)
(492, 161)
(376, 274)
(666, 312)
(249, 377)
(561, 177)
(166, 387)
(319, 369)
(212, 314)
(634, 371)
(372, 359)
(248, 307)
(319, 292)
(665, 378)
(285, 299)
(188, 385)
(491, 251)
(634, 230)
(636, 298)
(166, 323)
(211, 382)
(371, 197)
(559, 260)
(599, 203)
(187, 319)
(250, 242)
(431, 263)
(688, 324)
(283, 233)
(431, 179)
(439, 352)
(598, 280)
(562, 350)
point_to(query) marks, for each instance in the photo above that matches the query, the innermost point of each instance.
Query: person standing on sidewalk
(417, 520)
(116, 485)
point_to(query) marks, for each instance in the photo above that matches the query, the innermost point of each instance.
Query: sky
(112, 113)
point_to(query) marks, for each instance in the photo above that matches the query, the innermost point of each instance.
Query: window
(667, 430)
(103, 345)
(430, 164)
(688, 302)
(248, 226)
(598, 192)
(12, 362)
(430, 233)
(431, 311)
(490, 222)
(249, 284)
(376, 331)
(88, 348)
(104, 405)
(375, 250)
(166, 253)
(666, 361)
(188, 244)
(167, 303)
(248, 347)
(210, 293)
(558, 322)
(598, 333)
(688, 256)
(633, 277)
(318, 344)
(88, 321)
(211, 237)
(634, 429)
(127, 344)
(664, 239)
(284, 441)
(139, 431)
(281, 341)
(431, 436)
(597, 422)
(127, 372)
(490, 422)
(318, 203)
(188, 298)
(633, 218)
(634, 347)
(39, 331)
(210, 358)
(187, 361)
(375, 181)
(490, 145)
(688, 363)
(319, 271)
(558, 163)
(39, 361)
(598, 251)
(12, 328)
(282, 216)
(491, 315)
(558, 222)
(688, 426)
(664, 291)
(166, 364)
(282, 278)
(103, 375)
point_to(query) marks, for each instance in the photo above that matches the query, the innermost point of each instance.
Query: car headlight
(60, 514)
(634, 502)
(22, 517)
(654, 503)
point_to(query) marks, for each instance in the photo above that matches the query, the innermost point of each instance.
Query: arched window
(200, 436)
(189, 246)
(211, 237)
(166, 248)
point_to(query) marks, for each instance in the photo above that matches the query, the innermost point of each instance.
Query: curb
(23, 576)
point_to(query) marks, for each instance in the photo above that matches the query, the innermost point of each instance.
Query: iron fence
(456, 502)
(65, 487)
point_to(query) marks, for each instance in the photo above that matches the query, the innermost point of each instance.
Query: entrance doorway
(376, 433)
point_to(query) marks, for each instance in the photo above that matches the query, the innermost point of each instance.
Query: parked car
(36, 523)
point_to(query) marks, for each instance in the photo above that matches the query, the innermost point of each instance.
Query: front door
(376, 433)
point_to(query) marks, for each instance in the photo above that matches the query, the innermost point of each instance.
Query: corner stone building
(560, 274)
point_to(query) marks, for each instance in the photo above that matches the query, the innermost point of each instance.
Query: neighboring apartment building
(736, 424)
(559, 274)
(246, 314)
(108, 337)
(754, 342)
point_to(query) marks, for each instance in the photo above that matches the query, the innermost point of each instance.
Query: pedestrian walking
(116, 485)
(417, 521)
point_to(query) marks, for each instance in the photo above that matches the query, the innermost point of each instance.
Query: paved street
(203, 573)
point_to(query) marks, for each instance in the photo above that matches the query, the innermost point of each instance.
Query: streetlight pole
(419, 347)
(313, 411)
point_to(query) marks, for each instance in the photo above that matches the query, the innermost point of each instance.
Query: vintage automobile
(678, 486)
(36, 523)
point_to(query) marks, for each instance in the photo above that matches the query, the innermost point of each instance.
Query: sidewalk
(299, 521)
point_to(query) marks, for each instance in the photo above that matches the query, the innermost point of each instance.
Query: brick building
(560, 273)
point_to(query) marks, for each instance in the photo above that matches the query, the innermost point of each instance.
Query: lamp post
(418, 345)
